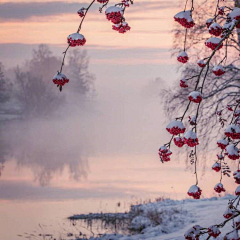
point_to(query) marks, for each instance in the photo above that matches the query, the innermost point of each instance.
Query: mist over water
(89, 151)
(112, 120)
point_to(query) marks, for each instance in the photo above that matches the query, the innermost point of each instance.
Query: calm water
(88, 160)
(29, 208)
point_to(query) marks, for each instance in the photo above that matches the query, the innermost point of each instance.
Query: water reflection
(46, 147)
(40, 128)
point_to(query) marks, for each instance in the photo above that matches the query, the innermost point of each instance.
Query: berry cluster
(195, 192)
(121, 27)
(114, 14)
(209, 22)
(164, 154)
(76, 39)
(60, 79)
(179, 141)
(219, 188)
(213, 43)
(183, 83)
(215, 29)
(218, 70)
(213, 231)
(182, 57)
(222, 143)
(190, 138)
(81, 12)
(216, 167)
(201, 63)
(185, 19)
(175, 127)
(195, 97)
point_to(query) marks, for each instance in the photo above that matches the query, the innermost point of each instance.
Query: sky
(50, 22)
(121, 134)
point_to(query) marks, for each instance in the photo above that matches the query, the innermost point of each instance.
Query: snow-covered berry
(81, 12)
(126, 3)
(114, 14)
(220, 156)
(237, 191)
(175, 127)
(163, 149)
(185, 19)
(219, 112)
(201, 63)
(193, 233)
(221, 10)
(236, 176)
(60, 79)
(209, 22)
(236, 113)
(182, 57)
(76, 39)
(164, 153)
(179, 141)
(192, 120)
(232, 152)
(228, 213)
(213, 43)
(228, 25)
(216, 167)
(195, 96)
(222, 143)
(230, 108)
(194, 191)
(190, 138)
(213, 231)
(121, 27)
(219, 188)
(183, 83)
(237, 223)
(215, 29)
(218, 70)
(235, 14)
(233, 131)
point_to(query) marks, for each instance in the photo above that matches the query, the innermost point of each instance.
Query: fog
(122, 117)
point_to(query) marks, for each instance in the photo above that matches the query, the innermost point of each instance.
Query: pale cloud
(24, 10)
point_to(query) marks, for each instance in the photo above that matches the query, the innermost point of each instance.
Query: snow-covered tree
(208, 93)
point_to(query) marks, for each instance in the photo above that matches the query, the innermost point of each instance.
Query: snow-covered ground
(169, 219)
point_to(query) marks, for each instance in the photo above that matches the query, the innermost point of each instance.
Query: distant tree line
(30, 92)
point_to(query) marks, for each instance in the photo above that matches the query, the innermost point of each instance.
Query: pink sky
(150, 27)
